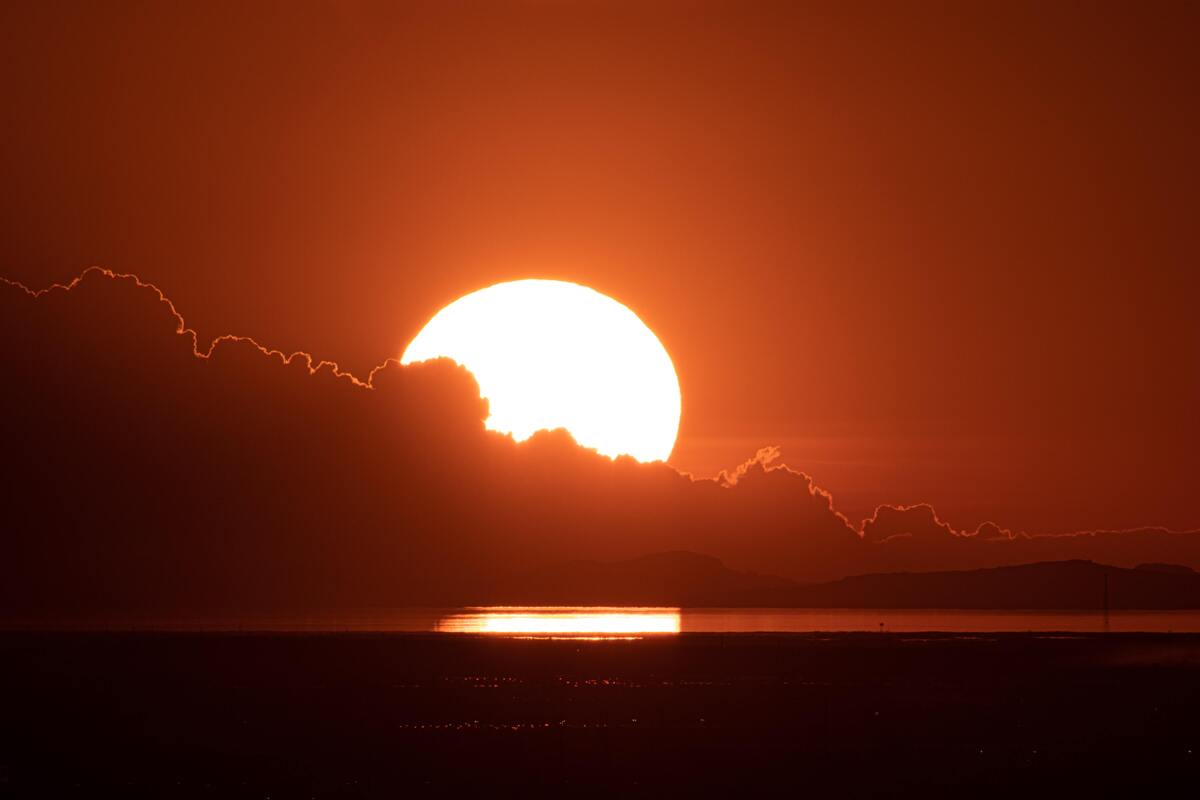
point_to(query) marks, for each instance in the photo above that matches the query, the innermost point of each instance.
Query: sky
(157, 473)
(936, 253)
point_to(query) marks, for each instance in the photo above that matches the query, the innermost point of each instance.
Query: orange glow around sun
(552, 354)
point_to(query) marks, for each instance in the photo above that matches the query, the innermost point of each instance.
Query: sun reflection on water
(590, 622)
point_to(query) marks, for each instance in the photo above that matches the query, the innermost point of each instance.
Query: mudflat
(366, 714)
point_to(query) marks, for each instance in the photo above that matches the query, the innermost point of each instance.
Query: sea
(636, 622)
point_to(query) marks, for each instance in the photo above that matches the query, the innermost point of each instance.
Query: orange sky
(938, 253)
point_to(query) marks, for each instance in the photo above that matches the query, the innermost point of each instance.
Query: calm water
(598, 622)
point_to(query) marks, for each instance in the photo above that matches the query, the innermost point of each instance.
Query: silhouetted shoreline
(692, 579)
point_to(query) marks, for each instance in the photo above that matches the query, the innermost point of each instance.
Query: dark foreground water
(233, 715)
(633, 621)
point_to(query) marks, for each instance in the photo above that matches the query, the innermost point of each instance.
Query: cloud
(921, 521)
(152, 470)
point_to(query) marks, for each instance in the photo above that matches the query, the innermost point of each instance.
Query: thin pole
(1106, 602)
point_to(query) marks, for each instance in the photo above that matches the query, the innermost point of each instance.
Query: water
(626, 622)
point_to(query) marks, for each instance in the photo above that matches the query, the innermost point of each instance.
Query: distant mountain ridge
(1045, 585)
(690, 579)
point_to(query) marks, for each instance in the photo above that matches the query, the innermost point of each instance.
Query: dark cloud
(147, 468)
(921, 522)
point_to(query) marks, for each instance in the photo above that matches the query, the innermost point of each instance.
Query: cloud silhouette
(921, 522)
(150, 469)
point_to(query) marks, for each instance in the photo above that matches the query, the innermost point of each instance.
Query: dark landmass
(1049, 585)
(692, 580)
(365, 715)
(1172, 569)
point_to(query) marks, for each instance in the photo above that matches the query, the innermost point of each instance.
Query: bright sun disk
(552, 354)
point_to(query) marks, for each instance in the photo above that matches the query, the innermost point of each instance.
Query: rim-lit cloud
(155, 468)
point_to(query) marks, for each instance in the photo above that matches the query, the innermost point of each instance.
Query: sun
(553, 354)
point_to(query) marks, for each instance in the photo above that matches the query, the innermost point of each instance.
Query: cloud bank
(150, 469)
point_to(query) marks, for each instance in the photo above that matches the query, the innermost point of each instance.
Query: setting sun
(552, 354)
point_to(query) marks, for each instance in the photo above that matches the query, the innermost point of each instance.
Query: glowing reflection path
(586, 621)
